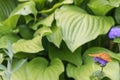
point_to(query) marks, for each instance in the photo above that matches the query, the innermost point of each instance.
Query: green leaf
(9, 24)
(25, 9)
(6, 7)
(117, 15)
(57, 5)
(78, 2)
(23, 0)
(56, 36)
(1, 58)
(17, 64)
(28, 18)
(65, 54)
(2, 67)
(79, 27)
(102, 7)
(9, 37)
(31, 46)
(25, 32)
(46, 22)
(83, 72)
(43, 31)
(39, 69)
(94, 50)
(9, 51)
(40, 3)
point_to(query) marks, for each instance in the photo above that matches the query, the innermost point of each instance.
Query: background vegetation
(51, 39)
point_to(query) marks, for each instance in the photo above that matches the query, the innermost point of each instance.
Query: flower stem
(1, 77)
(101, 69)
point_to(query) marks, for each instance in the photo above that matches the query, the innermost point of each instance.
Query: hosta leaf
(25, 9)
(31, 46)
(43, 31)
(10, 37)
(47, 22)
(25, 32)
(78, 27)
(56, 36)
(23, 0)
(40, 3)
(117, 15)
(28, 18)
(6, 7)
(10, 23)
(83, 72)
(34, 45)
(17, 64)
(57, 5)
(78, 2)
(65, 54)
(115, 56)
(101, 7)
(39, 69)
(1, 58)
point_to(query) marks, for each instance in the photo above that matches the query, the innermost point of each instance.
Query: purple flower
(114, 32)
(102, 62)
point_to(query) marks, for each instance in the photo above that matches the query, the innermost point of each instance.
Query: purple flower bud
(100, 61)
(114, 32)
(96, 59)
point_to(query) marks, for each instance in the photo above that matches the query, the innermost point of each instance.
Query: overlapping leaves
(102, 7)
(9, 24)
(84, 71)
(65, 54)
(39, 69)
(6, 7)
(34, 45)
(78, 27)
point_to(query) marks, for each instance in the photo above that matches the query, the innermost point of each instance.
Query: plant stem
(101, 69)
(1, 77)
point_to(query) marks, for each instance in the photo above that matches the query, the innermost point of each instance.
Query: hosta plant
(52, 39)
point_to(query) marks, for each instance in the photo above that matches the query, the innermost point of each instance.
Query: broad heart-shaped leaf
(6, 7)
(78, 27)
(31, 46)
(117, 15)
(101, 7)
(56, 36)
(84, 71)
(39, 69)
(9, 37)
(65, 54)
(9, 24)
